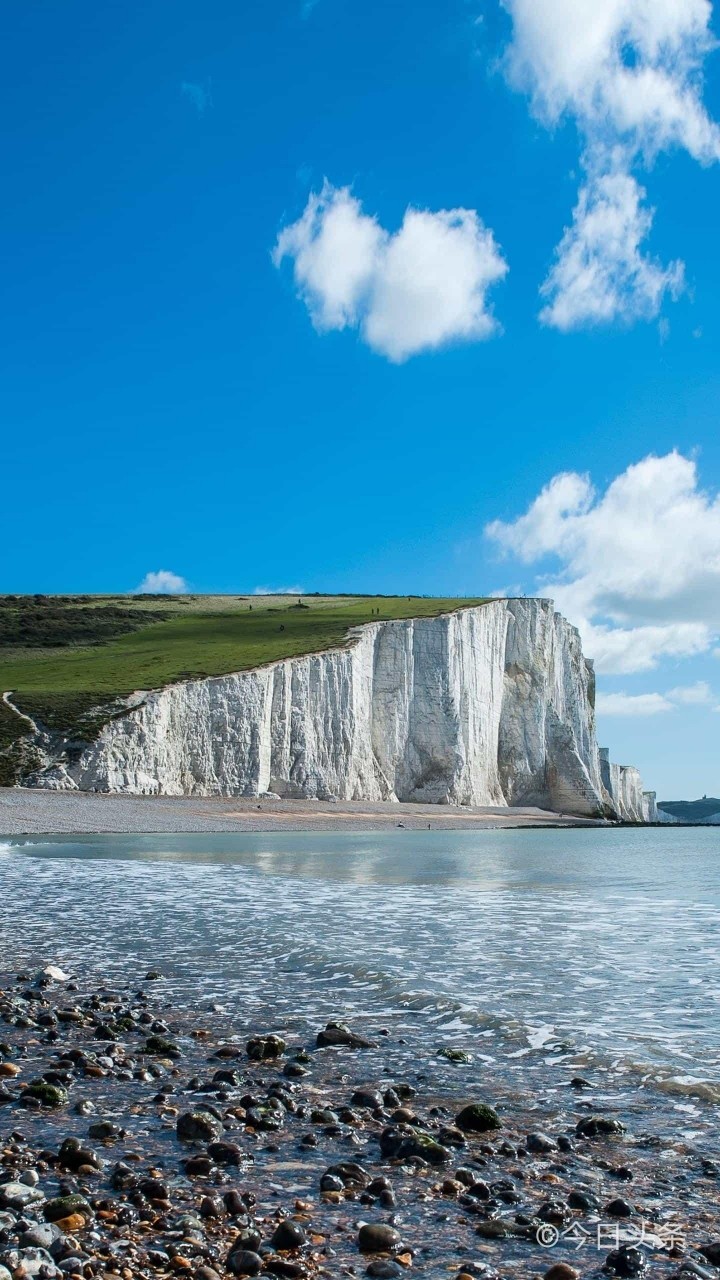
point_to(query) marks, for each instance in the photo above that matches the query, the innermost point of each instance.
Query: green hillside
(691, 810)
(66, 660)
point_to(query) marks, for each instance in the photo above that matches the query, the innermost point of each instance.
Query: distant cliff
(490, 705)
(705, 812)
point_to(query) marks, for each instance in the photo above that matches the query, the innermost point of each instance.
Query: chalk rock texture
(623, 785)
(491, 705)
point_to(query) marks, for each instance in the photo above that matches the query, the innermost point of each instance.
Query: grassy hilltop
(67, 660)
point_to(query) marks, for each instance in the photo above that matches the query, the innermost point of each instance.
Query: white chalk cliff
(491, 705)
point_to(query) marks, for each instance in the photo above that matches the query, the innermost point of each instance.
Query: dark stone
(73, 1156)
(161, 1047)
(243, 1262)
(267, 1119)
(478, 1117)
(62, 1206)
(198, 1126)
(154, 1189)
(627, 1261)
(367, 1098)
(329, 1182)
(711, 1252)
(619, 1209)
(583, 1200)
(598, 1127)
(288, 1235)
(234, 1204)
(105, 1130)
(337, 1034)
(402, 1142)
(451, 1137)
(198, 1166)
(262, 1048)
(540, 1144)
(554, 1211)
(455, 1055)
(40, 1092)
(378, 1237)
(350, 1174)
(283, 1267)
(227, 1075)
(227, 1153)
(122, 1178)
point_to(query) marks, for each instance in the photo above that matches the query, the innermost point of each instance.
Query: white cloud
(162, 582)
(621, 68)
(278, 591)
(335, 249)
(413, 290)
(638, 564)
(600, 273)
(200, 95)
(629, 74)
(631, 704)
(650, 704)
(693, 695)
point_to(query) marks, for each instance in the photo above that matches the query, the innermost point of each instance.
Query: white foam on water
(527, 965)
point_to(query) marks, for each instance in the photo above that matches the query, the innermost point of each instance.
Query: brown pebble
(562, 1271)
(9, 1069)
(73, 1222)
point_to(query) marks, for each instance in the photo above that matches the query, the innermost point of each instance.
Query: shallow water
(593, 948)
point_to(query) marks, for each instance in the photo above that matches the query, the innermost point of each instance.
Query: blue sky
(176, 398)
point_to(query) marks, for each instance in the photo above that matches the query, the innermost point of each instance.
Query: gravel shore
(35, 812)
(143, 1139)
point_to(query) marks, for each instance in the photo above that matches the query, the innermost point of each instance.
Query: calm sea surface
(594, 949)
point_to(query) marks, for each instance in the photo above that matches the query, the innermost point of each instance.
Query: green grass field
(64, 666)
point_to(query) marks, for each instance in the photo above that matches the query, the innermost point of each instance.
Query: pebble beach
(25, 811)
(145, 1139)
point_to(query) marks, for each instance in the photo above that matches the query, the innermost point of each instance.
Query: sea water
(537, 951)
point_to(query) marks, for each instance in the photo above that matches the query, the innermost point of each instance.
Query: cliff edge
(488, 705)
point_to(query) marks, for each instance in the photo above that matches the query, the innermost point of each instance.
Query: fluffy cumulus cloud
(416, 289)
(162, 582)
(631, 704)
(600, 273)
(637, 566)
(692, 695)
(278, 591)
(629, 74)
(651, 704)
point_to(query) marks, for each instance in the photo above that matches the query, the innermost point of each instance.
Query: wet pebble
(378, 1237)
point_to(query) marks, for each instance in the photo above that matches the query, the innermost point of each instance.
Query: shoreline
(195, 1143)
(31, 811)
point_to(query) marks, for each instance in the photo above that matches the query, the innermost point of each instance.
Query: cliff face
(487, 706)
(623, 784)
(548, 752)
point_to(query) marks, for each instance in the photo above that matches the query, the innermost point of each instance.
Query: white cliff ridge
(491, 705)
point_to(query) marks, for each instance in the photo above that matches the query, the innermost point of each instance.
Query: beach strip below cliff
(26, 811)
